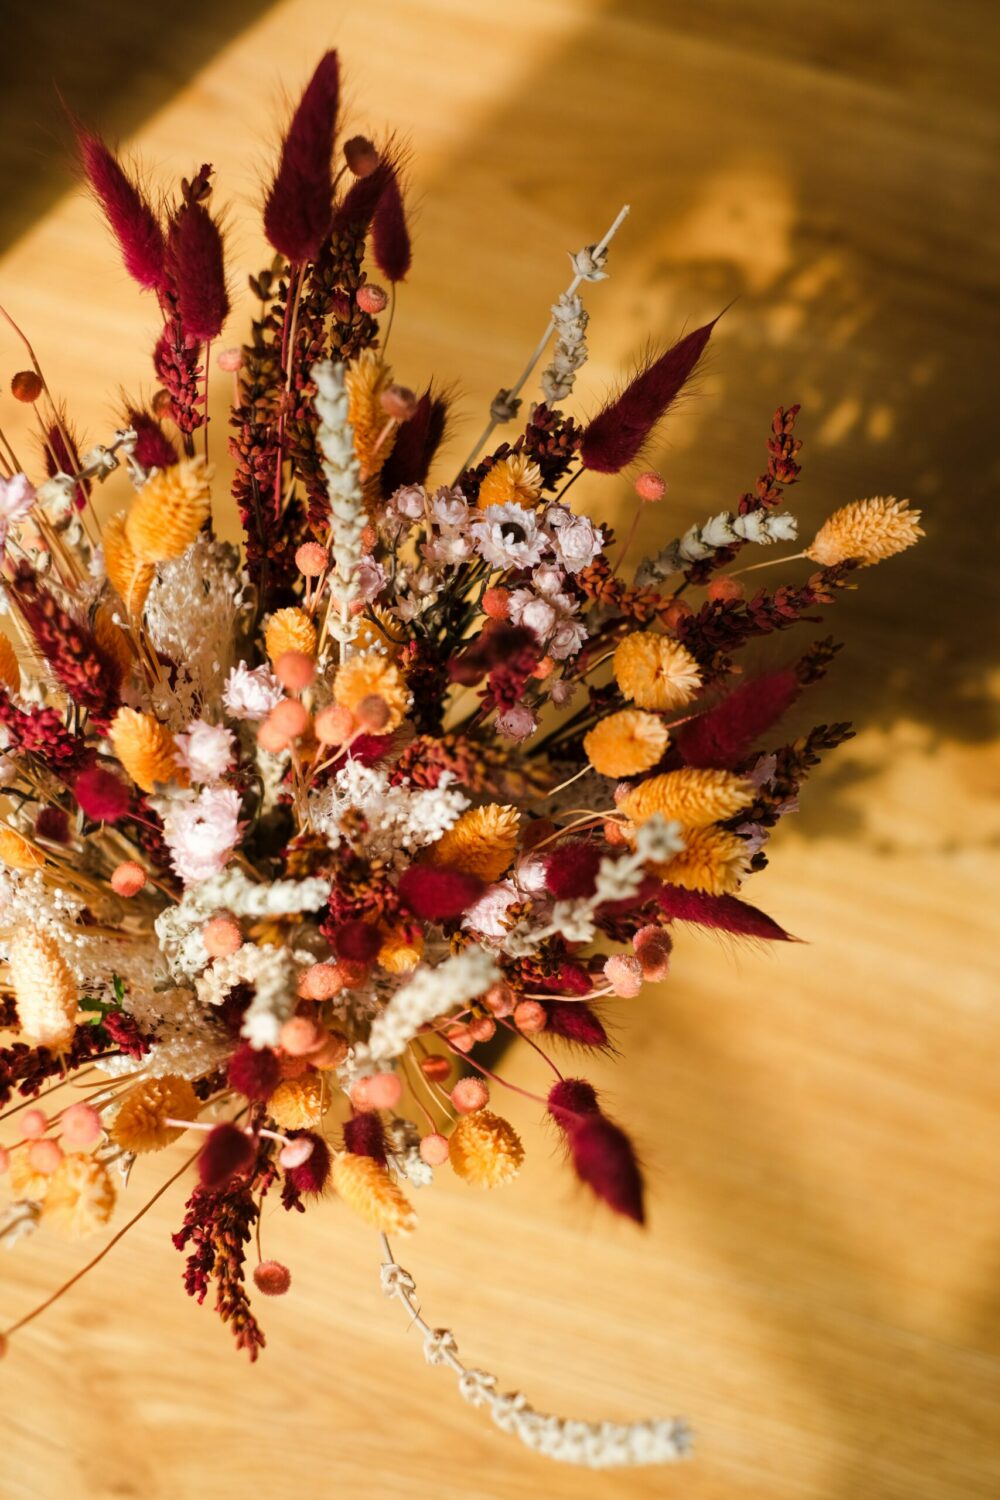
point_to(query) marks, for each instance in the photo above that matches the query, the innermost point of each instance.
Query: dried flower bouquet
(292, 833)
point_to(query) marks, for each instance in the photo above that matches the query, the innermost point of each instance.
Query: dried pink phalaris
(433, 1150)
(221, 936)
(272, 1278)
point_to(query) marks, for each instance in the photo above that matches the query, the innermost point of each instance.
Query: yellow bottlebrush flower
(17, 853)
(169, 511)
(481, 843)
(374, 1196)
(691, 796)
(485, 1149)
(289, 630)
(298, 1103)
(45, 991)
(366, 377)
(867, 531)
(25, 1180)
(10, 671)
(141, 1122)
(385, 631)
(400, 953)
(130, 577)
(655, 671)
(81, 1196)
(713, 860)
(515, 480)
(371, 675)
(112, 639)
(626, 743)
(146, 749)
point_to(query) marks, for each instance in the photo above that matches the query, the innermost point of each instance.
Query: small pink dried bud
(321, 982)
(378, 1091)
(482, 1028)
(296, 1152)
(45, 1156)
(331, 1051)
(295, 671)
(34, 1125)
(300, 1035)
(676, 611)
(433, 1150)
(726, 590)
(470, 1095)
(272, 1278)
(221, 936)
(288, 718)
(651, 486)
(398, 401)
(371, 299)
(461, 1038)
(372, 713)
(128, 879)
(496, 603)
(360, 156)
(624, 974)
(80, 1126)
(437, 1068)
(334, 725)
(499, 998)
(312, 560)
(530, 1016)
(26, 386)
(652, 948)
(230, 360)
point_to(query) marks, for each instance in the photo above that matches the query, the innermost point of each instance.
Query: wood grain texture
(818, 1288)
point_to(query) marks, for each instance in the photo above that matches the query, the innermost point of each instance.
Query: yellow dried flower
(384, 630)
(371, 675)
(481, 843)
(655, 671)
(10, 671)
(515, 480)
(366, 377)
(140, 1124)
(146, 749)
(112, 639)
(289, 630)
(130, 577)
(17, 853)
(485, 1149)
(81, 1196)
(45, 991)
(367, 1187)
(25, 1180)
(400, 953)
(692, 796)
(298, 1103)
(867, 531)
(169, 511)
(713, 860)
(626, 743)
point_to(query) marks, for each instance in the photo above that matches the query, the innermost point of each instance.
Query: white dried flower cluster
(430, 993)
(403, 1142)
(343, 486)
(178, 928)
(273, 972)
(570, 318)
(192, 616)
(400, 818)
(698, 542)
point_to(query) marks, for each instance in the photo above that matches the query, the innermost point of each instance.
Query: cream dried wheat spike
(45, 992)
(342, 472)
(866, 532)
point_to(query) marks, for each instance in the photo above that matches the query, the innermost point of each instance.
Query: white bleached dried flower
(201, 830)
(251, 692)
(761, 527)
(430, 993)
(343, 486)
(399, 818)
(205, 751)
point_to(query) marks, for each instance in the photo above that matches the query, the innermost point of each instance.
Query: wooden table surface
(819, 1287)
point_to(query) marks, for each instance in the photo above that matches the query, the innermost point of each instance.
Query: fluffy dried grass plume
(482, 842)
(81, 1197)
(141, 1122)
(515, 480)
(366, 378)
(367, 1187)
(290, 630)
(485, 1150)
(691, 796)
(10, 671)
(626, 743)
(867, 531)
(655, 671)
(45, 991)
(130, 578)
(146, 749)
(169, 511)
(400, 951)
(713, 860)
(17, 853)
(370, 675)
(297, 1103)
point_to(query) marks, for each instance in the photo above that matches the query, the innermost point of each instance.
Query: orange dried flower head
(366, 378)
(370, 675)
(112, 639)
(626, 743)
(297, 1104)
(146, 749)
(45, 991)
(367, 1187)
(10, 671)
(485, 1150)
(384, 630)
(169, 511)
(514, 480)
(130, 577)
(290, 630)
(481, 843)
(401, 951)
(141, 1122)
(691, 796)
(867, 531)
(17, 853)
(655, 671)
(713, 860)
(81, 1197)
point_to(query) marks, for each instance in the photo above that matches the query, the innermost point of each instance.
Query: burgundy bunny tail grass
(153, 449)
(299, 208)
(390, 236)
(722, 736)
(132, 220)
(356, 209)
(417, 441)
(575, 1022)
(570, 1099)
(364, 1136)
(602, 1154)
(197, 270)
(618, 433)
(726, 913)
